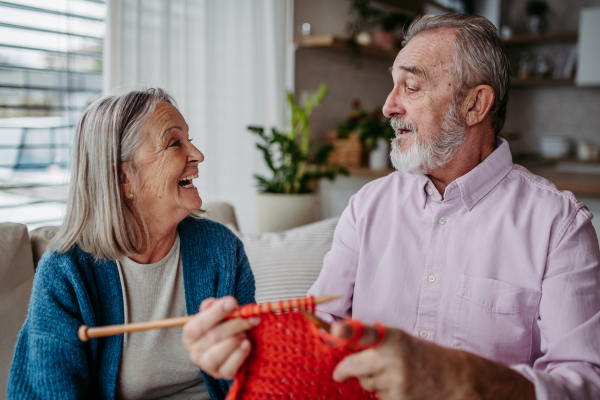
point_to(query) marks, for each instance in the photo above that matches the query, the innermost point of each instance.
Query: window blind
(50, 70)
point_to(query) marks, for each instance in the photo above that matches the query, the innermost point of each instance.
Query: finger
(364, 363)
(233, 363)
(206, 303)
(344, 330)
(208, 318)
(212, 359)
(221, 332)
(369, 383)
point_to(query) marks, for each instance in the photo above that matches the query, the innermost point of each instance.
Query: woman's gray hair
(479, 56)
(99, 219)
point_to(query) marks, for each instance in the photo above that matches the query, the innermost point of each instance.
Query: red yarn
(292, 359)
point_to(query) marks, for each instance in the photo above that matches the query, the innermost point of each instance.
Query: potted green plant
(286, 198)
(536, 13)
(374, 132)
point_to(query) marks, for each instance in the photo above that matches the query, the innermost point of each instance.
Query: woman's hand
(409, 368)
(218, 346)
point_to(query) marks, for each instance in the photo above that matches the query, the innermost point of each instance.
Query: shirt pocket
(495, 319)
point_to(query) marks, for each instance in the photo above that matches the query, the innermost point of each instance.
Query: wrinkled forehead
(429, 53)
(163, 117)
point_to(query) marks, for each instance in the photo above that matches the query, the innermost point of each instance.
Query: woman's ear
(126, 179)
(479, 101)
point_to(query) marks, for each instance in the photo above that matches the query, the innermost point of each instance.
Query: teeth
(189, 186)
(189, 178)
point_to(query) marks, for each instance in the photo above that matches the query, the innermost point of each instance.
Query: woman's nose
(195, 155)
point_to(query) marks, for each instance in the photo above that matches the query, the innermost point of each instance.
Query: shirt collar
(478, 182)
(475, 184)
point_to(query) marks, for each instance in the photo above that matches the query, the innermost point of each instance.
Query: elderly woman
(131, 248)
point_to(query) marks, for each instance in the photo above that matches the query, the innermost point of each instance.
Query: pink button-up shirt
(505, 266)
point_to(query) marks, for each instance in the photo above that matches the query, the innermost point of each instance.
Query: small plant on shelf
(370, 127)
(295, 165)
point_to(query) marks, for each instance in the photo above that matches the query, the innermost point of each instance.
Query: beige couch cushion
(221, 212)
(40, 238)
(286, 264)
(16, 278)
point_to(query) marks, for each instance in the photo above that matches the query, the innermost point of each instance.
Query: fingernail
(335, 377)
(245, 345)
(254, 321)
(229, 305)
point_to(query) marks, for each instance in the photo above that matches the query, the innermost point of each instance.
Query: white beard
(424, 157)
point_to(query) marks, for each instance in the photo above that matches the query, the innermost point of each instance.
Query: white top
(155, 364)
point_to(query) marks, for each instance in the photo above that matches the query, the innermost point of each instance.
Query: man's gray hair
(479, 56)
(99, 219)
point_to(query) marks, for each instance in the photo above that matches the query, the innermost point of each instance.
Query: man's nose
(392, 106)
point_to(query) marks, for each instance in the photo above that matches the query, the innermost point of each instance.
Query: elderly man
(487, 273)
(480, 264)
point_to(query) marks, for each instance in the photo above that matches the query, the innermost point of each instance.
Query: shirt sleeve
(569, 317)
(338, 274)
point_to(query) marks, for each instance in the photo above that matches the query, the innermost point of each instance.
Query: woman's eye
(174, 144)
(410, 89)
(190, 140)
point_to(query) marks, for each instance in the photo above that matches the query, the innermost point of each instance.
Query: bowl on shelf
(555, 146)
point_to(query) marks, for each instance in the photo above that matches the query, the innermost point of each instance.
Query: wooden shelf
(529, 39)
(581, 184)
(341, 44)
(518, 82)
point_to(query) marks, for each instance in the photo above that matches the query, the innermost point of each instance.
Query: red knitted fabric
(292, 359)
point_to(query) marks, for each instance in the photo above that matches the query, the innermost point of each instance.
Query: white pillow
(286, 264)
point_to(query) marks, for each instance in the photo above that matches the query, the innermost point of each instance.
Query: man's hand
(408, 368)
(218, 346)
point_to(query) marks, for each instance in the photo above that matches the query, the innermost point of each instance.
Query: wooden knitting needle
(86, 333)
(317, 321)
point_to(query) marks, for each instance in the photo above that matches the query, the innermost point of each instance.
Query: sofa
(285, 264)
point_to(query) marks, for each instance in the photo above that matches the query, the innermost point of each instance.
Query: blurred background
(228, 63)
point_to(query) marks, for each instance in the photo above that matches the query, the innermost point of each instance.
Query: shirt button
(430, 191)
(442, 221)
(431, 278)
(423, 334)
(469, 200)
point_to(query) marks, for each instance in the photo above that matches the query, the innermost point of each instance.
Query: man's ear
(126, 179)
(478, 102)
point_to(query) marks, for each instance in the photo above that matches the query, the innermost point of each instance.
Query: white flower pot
(278, 212)
(378, 158)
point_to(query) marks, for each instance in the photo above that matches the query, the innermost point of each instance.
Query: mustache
(398, 124)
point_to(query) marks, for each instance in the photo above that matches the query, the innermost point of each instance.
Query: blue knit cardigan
(74, 288)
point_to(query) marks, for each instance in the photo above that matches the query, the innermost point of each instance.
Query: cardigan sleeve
(49, 361)
(245, 287)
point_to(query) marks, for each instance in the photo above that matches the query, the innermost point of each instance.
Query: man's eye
(411, 89)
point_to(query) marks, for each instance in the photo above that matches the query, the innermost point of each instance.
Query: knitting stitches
(292, 359)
